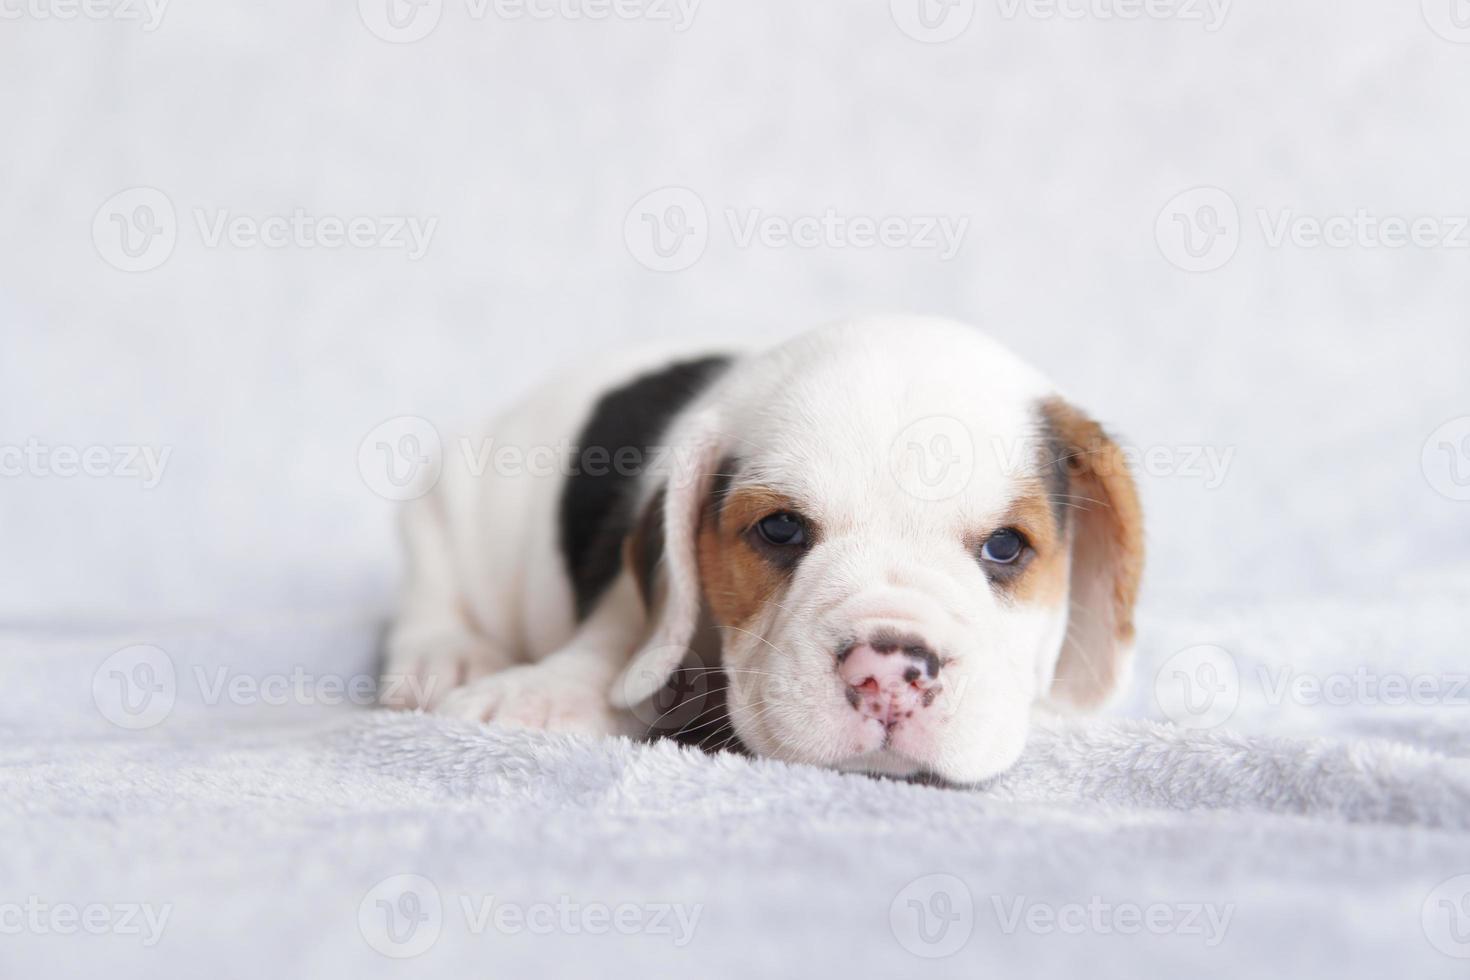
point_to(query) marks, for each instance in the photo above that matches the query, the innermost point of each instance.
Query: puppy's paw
(537, 696)
(421, 675)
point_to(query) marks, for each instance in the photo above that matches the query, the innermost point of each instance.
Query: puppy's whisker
(757, 636)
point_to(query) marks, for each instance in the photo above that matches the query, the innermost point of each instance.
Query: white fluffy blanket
(317, 839)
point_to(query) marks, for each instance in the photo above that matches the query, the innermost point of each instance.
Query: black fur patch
(597, 501)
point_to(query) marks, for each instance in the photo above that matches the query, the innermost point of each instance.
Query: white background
(1060, 140)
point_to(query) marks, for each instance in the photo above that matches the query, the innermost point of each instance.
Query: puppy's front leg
(568, 690)
(433, 647)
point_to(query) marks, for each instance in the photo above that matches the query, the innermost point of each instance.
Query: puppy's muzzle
(890, 679)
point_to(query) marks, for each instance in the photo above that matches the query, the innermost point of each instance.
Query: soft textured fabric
(1294, 839)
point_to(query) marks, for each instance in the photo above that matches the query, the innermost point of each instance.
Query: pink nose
(891, 682)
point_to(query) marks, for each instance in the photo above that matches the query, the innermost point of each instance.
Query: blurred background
(240, 237)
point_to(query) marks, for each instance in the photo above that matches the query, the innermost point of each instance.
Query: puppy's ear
(1104, 526)
(662, 557)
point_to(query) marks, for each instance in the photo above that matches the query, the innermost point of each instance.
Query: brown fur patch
(1106, 531)
(1044, 579)
(739, 582)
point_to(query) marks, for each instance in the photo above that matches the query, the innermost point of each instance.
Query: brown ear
(662, 558)
(1105, 529)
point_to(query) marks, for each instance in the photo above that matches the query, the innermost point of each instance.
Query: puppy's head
(905, 539)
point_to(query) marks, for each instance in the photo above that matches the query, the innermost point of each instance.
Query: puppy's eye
(1003, 547)
(783, 530)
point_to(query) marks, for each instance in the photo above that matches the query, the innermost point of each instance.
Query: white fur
(822, 419)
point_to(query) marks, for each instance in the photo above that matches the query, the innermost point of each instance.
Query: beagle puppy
(877, 547)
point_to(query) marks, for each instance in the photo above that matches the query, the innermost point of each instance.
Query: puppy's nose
(889, 681)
